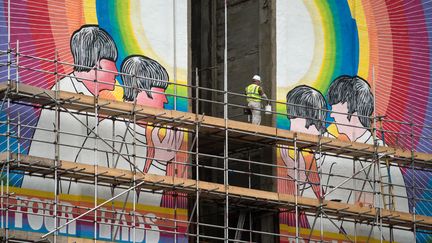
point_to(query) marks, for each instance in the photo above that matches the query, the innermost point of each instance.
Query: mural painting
(351, 103)
(99, 41)
(350, 59)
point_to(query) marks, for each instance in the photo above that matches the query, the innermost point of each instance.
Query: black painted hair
(356, 92)
(306, 102)
(150, 72)
(89, 45)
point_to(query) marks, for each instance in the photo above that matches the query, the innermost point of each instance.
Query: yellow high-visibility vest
(252, 93)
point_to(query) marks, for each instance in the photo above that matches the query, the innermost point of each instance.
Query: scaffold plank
(213, 190)
(213, 125)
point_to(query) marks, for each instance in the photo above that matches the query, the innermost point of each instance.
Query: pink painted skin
(105, 77)
(352, 128)
(341, 119)
(165, 148)
(299, 125)
(158, 100)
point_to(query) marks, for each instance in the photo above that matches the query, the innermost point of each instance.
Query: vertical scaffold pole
(377, 164)
(134, 149)
(17, 54)
(226, 162)
(95, 163)
(175, 195)
(8, 134)
(413, 173)
(197, 155)
(355, 196)
(8, 125)
(296, 190)
(57, 143)
(321, 193)
(250, 187)
(175, 61)
(17, 89)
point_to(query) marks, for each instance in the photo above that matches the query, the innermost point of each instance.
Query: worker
(254, 95)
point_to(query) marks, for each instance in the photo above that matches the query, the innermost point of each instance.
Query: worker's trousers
(256, 112)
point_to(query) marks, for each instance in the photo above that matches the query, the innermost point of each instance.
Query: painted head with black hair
(356, 92)
(89, 45)
(308, 103)
(144, 73)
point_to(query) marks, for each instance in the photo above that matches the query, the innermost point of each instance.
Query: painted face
(299, 125)
(342, 121)
(108, 75)
(158, 101)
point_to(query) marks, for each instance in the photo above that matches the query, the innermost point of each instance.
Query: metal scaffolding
(218, 193)
(212, 140)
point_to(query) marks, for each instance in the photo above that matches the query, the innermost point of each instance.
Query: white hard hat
(256, 77)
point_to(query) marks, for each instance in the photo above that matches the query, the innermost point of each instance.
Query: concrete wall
(251, 50)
